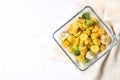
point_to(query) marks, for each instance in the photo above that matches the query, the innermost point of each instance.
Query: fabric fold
(108, 67)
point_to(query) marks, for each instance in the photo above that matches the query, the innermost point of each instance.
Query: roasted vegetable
(64, 35)
(65, 43)
(86, 61)
(85, 38)
(81, 58)
(95, 49)
(101, 31)
(76, 50)
(102, 47)
(97, 42)
(105, 39)
(90, 55)
(89, 22)
(95, 29)
(94, 36)
(85, 15)
(94, 20)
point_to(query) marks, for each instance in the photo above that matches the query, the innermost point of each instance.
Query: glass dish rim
(114, 37)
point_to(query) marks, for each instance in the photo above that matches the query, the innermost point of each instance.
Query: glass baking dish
(65, 26)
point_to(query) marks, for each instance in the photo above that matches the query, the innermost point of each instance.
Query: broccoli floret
(76, 51)
(89, 22)
(85, 15)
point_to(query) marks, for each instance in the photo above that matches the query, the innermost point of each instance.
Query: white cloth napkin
(108, 67)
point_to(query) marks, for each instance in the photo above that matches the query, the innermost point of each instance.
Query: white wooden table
(26, 43)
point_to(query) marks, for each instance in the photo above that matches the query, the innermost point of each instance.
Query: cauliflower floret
(105, 39)
(90, 55)
(63, 35)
